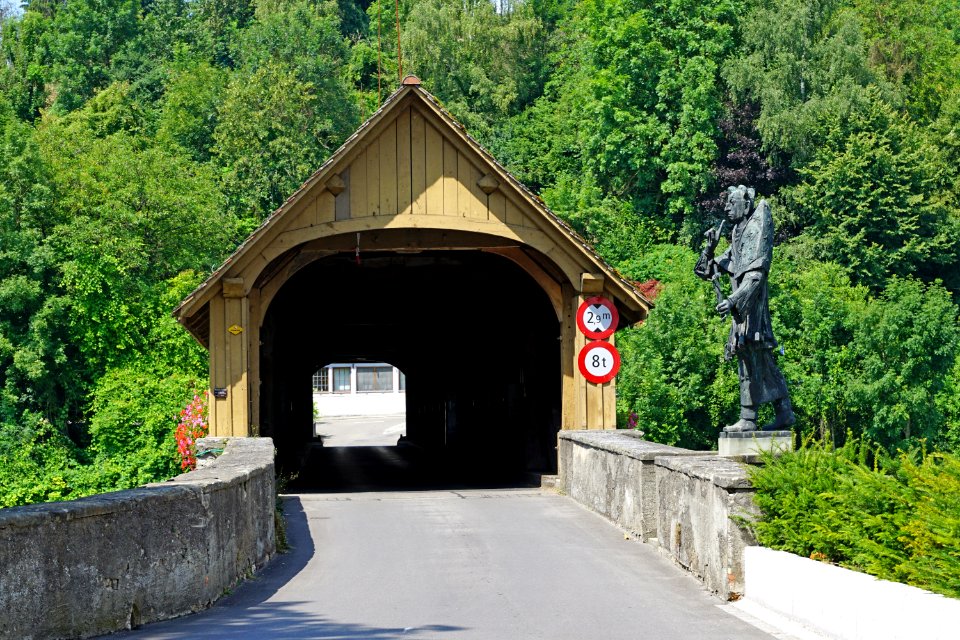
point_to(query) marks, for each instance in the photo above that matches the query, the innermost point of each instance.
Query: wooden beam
(233, 288)
(591, 283)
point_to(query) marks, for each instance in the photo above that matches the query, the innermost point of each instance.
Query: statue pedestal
(751, 443)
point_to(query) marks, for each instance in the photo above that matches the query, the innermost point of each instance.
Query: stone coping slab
(242, 458)
(723, 472)
(625, 443)
(759, 435)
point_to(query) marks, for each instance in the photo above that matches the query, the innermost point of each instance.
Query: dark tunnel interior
(476, 337)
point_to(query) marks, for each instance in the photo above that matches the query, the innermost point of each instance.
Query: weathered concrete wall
(613, 473)
(114, 561)
(698, 499)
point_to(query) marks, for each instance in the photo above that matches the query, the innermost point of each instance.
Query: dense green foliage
(141, 141)
(897, 518)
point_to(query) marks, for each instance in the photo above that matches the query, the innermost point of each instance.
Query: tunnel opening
(477, 339)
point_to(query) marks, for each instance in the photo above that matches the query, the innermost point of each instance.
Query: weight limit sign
(597, 318)
(599, 362)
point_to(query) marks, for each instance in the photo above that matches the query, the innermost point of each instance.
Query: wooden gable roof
(358, 180)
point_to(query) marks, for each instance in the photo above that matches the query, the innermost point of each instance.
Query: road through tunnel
(477, 337)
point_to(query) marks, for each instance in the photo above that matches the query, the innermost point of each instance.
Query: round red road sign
(599, 361)
(597, 318)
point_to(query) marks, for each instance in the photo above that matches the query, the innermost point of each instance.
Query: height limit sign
(597, 318)
(599, 361)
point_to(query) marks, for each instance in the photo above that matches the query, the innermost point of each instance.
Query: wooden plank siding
(497, 207)
(410, 168)
(388, 170)
(418, 163)
(434, 171)
(373, 179)
(404, 167)
(326, 204)
(358, 186)
(451, 186)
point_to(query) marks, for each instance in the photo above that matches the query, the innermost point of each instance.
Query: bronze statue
(747, 263)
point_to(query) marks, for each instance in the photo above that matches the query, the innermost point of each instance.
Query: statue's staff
(715, 279)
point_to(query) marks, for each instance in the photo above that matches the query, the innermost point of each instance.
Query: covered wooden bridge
(411, 245)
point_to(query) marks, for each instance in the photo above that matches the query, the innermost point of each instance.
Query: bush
(897, 518)
(673, 375)
(135, 413)
(131, 440)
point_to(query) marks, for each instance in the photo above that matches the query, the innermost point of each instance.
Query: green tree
(878, 199)
(800, 61)
(814, 307)
(285, 111)
(904, 348)
(273, 132)
(215, 27)
(24, 47)
(85, 39)
(915, 43)
(33, 347)
(138, 215)
(657, 98)
(190, 105)
(484, 65)
(948, 403)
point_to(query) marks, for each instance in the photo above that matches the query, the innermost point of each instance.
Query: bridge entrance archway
(482, 360)
(451, 249)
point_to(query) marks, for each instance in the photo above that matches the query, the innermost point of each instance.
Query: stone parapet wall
(699, 499)
(612, 473)
(681, 500)
(117, 560)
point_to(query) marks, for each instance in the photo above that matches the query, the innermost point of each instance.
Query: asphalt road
(492, 564)
(361, 431)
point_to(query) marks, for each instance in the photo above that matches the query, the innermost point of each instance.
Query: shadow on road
(248, 612)
(400, 468)
(278, 620)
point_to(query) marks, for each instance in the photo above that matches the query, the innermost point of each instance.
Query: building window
(402, 382)
(374, 379)
(321, 380)
(341, 379)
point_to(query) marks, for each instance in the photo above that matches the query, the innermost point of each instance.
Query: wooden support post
(253, 360)
(568, 358)
(229, 361)
(596, 403)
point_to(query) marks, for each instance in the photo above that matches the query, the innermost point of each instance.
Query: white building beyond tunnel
(359, 389)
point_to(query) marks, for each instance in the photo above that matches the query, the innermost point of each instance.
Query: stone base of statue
(750, 444)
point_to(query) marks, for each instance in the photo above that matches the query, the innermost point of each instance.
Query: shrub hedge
(894, 517)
